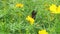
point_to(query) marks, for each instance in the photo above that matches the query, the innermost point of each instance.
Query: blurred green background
(13, 19)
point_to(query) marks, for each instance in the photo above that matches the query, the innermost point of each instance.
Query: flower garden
(29, 16)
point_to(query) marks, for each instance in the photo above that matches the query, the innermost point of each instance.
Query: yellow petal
(58, 9)
(43, 32)
(53, 8)
(19, 5)
(30, 19)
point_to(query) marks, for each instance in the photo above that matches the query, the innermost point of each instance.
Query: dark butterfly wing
(34, 14)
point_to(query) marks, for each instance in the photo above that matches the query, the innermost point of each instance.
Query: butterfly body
(34, 14)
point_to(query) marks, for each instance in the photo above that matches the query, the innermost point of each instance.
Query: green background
(13, 19)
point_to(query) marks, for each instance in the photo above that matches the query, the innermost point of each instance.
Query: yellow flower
(58, 9)
(30, 19)
(43, 32)
(53, 8)
(19, 5)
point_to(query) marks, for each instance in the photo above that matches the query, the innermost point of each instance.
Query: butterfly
(34, 14)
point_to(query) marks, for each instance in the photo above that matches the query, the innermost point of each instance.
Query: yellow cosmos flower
(58, 9)
(43, 32)
(30, 19)
(19, 5)
(54, 9)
